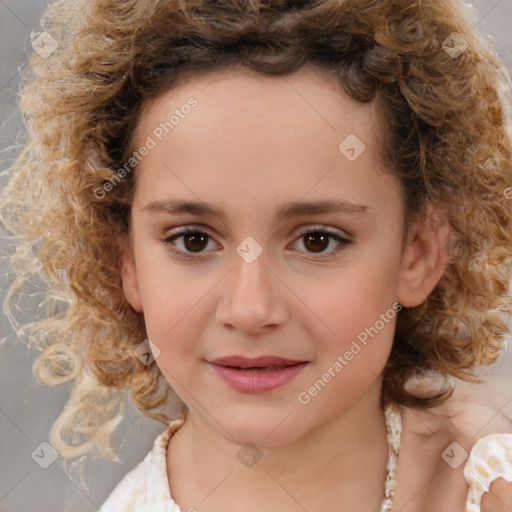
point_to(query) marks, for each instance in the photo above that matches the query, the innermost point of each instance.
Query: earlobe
(424, 259)
(128, 272)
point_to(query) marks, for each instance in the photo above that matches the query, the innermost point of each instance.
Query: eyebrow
(291, 209)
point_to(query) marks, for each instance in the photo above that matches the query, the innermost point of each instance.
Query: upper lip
(258, 362)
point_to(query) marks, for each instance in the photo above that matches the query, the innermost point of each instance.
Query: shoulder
(469, 438)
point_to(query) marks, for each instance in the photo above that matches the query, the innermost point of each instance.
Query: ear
(424, 258)
(128, 273)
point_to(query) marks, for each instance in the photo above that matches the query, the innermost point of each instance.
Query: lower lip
(258, 381)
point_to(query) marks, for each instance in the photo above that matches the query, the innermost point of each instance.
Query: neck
(343, 461)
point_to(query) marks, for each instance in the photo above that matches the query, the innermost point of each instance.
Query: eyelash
(168, 241)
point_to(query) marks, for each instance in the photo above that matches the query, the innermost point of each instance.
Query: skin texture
(252, 144)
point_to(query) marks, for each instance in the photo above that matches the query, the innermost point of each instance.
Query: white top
(146, 487)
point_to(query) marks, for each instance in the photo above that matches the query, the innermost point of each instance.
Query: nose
(252, 297)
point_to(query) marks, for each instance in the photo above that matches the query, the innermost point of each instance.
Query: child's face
(251, 145)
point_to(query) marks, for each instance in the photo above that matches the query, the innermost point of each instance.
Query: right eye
(191, 241)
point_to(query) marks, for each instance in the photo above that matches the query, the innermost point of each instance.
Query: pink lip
(240, 373)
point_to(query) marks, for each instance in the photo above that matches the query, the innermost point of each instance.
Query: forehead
(266, 134)
(236, 96)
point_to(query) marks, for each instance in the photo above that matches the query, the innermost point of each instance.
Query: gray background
(27, 409)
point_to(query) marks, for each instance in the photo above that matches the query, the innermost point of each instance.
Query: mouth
(256, 375)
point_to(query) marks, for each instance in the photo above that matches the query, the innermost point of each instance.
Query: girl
(296, 216)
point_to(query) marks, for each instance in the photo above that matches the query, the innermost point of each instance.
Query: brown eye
(195, 242)
(316, 242)
(191, 241)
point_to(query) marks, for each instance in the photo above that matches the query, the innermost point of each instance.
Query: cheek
(172, 301)
(353, 297)
(353, 352)
(355, 316)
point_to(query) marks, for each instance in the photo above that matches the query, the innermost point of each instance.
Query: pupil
(324, 242)
(195, 236)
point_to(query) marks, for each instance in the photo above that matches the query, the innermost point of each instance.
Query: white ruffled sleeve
(146, 487)
(489, 459)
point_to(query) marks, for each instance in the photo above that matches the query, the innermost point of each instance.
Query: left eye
(316, 241)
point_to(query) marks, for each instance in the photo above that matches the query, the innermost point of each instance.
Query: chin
(264, 430)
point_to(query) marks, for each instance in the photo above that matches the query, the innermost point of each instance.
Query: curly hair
(445, 137)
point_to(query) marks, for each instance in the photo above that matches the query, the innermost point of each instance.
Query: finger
(499, 497)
